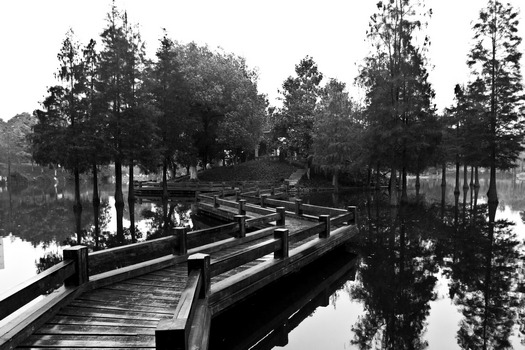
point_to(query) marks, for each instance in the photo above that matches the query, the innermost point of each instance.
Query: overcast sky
(273, 36)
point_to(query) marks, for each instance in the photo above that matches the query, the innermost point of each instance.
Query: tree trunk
(444, 175)
(131, 203)
(193, 172)
(165, 197)
(119, 202)
(77, 206)
(476, 177)
(456, 187)
(418, 185)
(465, 177)
(393, 187)
(335, 180)
(369, 178)
(404, 194)
(96, 207)
(378, 178)
(492, 194)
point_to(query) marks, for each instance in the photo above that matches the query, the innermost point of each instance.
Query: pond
(427, 276)
(37, 221)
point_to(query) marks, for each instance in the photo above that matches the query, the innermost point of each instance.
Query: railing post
(282, 219)
(79, 254)
(202, 262)
(257, 192)
(182, 239)
(215, 201)
(242, 206)
(298, 209)
(326, 220)
(197, 195)
(237, 195)
(263, 200)
(241, 220)
(273, 190)
(281, 234)
(171, 333)
(353, 210)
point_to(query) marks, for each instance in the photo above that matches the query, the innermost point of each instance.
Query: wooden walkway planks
(124, 315)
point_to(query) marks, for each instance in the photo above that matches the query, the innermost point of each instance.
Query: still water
(426, 276)
(429, 276)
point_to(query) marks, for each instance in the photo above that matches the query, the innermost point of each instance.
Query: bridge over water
(163, 293)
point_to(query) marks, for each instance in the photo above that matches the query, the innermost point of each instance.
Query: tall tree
(59, 137)
(169, 96)
(337, 133)
(225, 110)
(120, 61)
(295, 120)
(396, 81)
(495, 65)
(14, 146)
(96, 144)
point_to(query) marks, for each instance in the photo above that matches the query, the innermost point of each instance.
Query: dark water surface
(432, 275)
(427, 276)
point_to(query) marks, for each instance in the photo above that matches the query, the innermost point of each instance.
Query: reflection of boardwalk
(279, 313)
(121, 305)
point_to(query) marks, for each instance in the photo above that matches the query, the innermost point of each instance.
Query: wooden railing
(71, 272)
(193, 311)
(192, 318)
(186, 329)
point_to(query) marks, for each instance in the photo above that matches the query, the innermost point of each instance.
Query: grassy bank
(255, 170)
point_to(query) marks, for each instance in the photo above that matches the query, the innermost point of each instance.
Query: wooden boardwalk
(140, 304)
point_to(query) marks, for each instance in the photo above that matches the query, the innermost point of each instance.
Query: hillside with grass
(255, 170)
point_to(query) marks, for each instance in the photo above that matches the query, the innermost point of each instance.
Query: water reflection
(482, 263)
(396, 277)
(402, 252)
(265, 320)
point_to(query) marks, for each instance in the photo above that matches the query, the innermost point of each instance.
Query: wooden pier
(164, 293)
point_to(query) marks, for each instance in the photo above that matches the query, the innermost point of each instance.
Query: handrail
(22, 294)
(182, 330)
(118, 257)
(244, 256)
(71, 272)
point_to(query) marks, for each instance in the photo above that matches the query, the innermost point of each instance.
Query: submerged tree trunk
(131, 204)
(465, 177)
(77, 206)
(119, 202)
(456, 187)
(96, 207)
(476, 177)
(404, 194)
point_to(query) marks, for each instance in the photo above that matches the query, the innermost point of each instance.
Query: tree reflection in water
(397, 278)
(402, 250)
(483, 268)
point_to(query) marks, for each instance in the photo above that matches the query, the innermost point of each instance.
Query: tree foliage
(295, 120)
(398, 94)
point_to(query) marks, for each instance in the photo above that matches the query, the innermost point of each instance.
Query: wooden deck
(140, 304)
